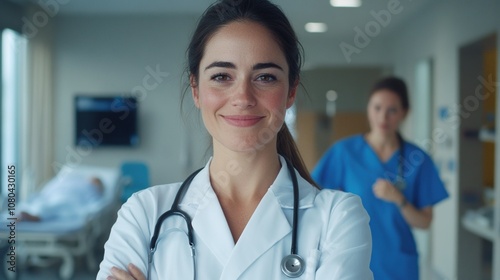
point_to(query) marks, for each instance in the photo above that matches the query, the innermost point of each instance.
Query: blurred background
(64, 60)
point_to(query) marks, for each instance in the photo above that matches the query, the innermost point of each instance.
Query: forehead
(386, 96)
(243, 42)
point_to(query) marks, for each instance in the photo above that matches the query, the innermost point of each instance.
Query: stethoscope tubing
(293, 249)
(174, 210)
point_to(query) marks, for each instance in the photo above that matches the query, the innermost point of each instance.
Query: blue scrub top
(351, 165)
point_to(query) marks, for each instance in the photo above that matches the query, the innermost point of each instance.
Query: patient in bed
(65, 197)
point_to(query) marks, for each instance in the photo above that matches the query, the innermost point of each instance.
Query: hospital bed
(43, 243)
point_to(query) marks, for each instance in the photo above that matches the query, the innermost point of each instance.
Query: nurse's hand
(385, 190)
(133, 273)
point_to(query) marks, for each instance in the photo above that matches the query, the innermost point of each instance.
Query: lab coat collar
(283, 189)
(211, 228)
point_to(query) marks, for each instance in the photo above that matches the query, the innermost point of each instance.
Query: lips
(242, 121)
(383, 126)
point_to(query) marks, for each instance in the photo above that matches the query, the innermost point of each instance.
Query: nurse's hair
(396, 86)
(263, 12)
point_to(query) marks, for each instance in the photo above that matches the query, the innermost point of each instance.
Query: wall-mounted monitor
(106, 121)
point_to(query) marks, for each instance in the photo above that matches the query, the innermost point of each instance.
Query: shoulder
(335, 201)
(344, 229)
(329, 203)
(351, 143)
(410, 146)
(153, 199)
(158, 190)
(415, 153)
(345, 222)
(158, 199)
(342, 210)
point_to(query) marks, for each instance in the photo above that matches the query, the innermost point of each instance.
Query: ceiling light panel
(345, 3)
(316, 27)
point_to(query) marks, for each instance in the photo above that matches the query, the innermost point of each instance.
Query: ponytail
(287, 148)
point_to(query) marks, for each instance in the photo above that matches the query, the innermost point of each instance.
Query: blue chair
(136, 178)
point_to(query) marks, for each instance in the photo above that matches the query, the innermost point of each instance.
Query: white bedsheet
(110, 178)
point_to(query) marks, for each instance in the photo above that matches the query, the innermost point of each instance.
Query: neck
(382, 141)
(243, 176)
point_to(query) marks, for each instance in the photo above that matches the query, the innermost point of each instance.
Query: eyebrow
(258, 66)
(222, 64)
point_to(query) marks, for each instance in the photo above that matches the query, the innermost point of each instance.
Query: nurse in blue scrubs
(398, 182)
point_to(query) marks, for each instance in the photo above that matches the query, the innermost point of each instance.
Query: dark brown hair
(395, 85)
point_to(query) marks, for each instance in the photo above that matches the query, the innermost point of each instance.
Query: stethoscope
(400, 182)
(292, 265)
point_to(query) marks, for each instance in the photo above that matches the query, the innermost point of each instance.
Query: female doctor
(244, 63)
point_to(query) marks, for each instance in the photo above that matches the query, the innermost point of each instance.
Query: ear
(292, 94)
(194, 91)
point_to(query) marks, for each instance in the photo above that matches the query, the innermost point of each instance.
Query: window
(13, 77)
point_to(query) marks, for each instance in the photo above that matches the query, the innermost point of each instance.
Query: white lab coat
(333, 234)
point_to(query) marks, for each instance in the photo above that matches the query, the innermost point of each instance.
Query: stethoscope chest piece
(400, 183)
(293, 265)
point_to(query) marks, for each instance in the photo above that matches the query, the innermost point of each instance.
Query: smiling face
(385, 112)
(243, 89)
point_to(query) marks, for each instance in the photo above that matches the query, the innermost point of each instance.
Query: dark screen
(106, 121)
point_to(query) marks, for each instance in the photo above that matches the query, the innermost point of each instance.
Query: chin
(250, 145)
(387, 131)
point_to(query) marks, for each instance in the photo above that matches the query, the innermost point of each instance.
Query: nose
(386, 115)
(244, 95)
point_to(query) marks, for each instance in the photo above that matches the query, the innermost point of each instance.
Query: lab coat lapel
(208, 220)
(267, 226)
(211, 228)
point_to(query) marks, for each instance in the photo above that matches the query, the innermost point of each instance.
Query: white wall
(99, 55)
(326, 52)
(351, 84)
(438, 33)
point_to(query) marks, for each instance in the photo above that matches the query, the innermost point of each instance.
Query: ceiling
(341, 21)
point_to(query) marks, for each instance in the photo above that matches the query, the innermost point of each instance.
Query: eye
(220, 77)
(392, 111)
(266, 78)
